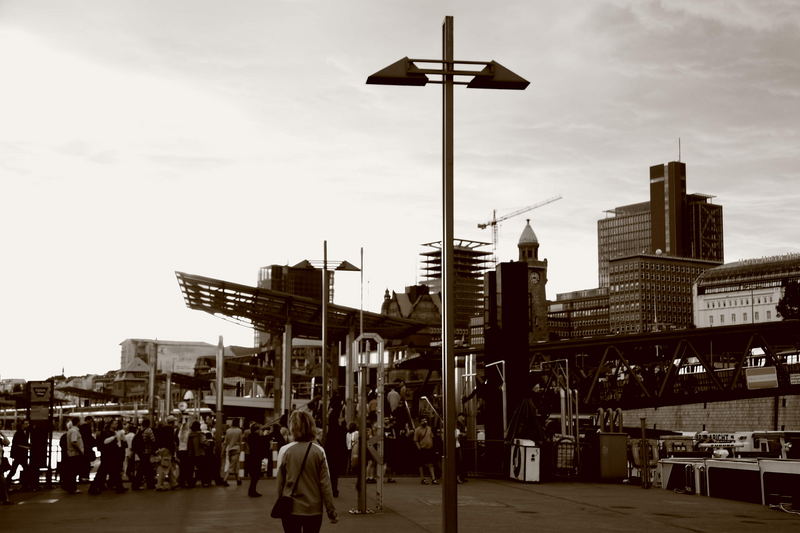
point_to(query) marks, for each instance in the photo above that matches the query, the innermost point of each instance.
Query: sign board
(794, 379)
(40, 391)
(761, 378)
(40, 412)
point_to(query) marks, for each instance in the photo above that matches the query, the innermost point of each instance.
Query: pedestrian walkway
(484, 506)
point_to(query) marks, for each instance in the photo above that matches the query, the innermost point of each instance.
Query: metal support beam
(286, 370)
(449, 487)
(349, 375)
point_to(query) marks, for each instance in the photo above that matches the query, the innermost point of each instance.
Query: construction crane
(495, 222)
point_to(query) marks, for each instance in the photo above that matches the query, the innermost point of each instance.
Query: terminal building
(743, 292)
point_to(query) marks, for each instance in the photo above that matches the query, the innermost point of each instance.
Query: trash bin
(524, 463)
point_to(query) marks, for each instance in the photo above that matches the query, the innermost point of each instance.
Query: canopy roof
(269, 310)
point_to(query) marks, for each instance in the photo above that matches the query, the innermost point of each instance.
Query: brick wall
(737, 415)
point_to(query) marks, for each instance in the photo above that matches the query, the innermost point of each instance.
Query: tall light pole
(335, 265)
(492, 76)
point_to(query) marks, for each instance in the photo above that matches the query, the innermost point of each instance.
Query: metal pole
(168, 394)
(645, 462)
(220, 390)
(363, 376)
(378, 434)
(505, 399)
(324, 339)
(449, 488)
(152, 384)
(286, 370)
(361, 309)
(348, 377)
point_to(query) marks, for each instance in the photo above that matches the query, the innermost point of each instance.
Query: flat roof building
(743, 292)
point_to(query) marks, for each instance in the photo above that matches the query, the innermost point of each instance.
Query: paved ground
(484, 506)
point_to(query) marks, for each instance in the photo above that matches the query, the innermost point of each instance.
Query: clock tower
(537, 279)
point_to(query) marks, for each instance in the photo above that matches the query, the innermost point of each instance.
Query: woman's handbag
(283, 505)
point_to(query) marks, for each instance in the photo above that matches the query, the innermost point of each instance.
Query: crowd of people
(183, 453)
(168, 455)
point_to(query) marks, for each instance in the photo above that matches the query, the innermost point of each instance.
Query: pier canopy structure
(271, 311)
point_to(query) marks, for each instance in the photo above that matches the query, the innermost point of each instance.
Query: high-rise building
(648, 255)
(672, 223)
(469, 264)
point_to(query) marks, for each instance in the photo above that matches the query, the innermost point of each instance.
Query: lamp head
(496, 76)
(403, 72)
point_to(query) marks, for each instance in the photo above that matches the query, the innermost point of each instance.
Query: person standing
(393, 398)
(336, 445)
(130, 459)
(232, 446)
(185, 466)
(112, 454)
(20, 445)
(275, 438)
(423, 438)
(144, 447)
(3, 485)
(87, 431)
(257, 451)
(310, 488)
(74, 458)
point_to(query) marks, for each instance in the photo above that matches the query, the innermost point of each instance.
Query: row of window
(738, 302)
(745, 320)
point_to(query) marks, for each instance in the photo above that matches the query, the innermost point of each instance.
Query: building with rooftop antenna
(673, 222)
(649, 254)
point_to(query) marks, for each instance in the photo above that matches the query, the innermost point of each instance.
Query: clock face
(533, 278)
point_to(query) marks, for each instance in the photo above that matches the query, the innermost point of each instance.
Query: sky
(140, 138)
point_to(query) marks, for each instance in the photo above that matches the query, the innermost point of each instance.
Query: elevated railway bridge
(676, 367)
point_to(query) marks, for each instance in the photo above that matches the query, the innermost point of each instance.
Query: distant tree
(789, 304)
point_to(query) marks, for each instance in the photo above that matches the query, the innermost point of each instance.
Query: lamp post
(493, 76)
(335, 265)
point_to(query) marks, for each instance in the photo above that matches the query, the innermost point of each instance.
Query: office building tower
(672, 223)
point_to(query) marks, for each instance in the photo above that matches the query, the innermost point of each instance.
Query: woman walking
(310, 488)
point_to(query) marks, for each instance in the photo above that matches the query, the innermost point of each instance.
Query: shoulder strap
(302, 467)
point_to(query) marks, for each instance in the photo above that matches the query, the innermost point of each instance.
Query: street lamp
(493, 76)
(334, 265)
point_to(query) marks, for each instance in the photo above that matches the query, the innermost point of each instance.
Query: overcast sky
(143, 137)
